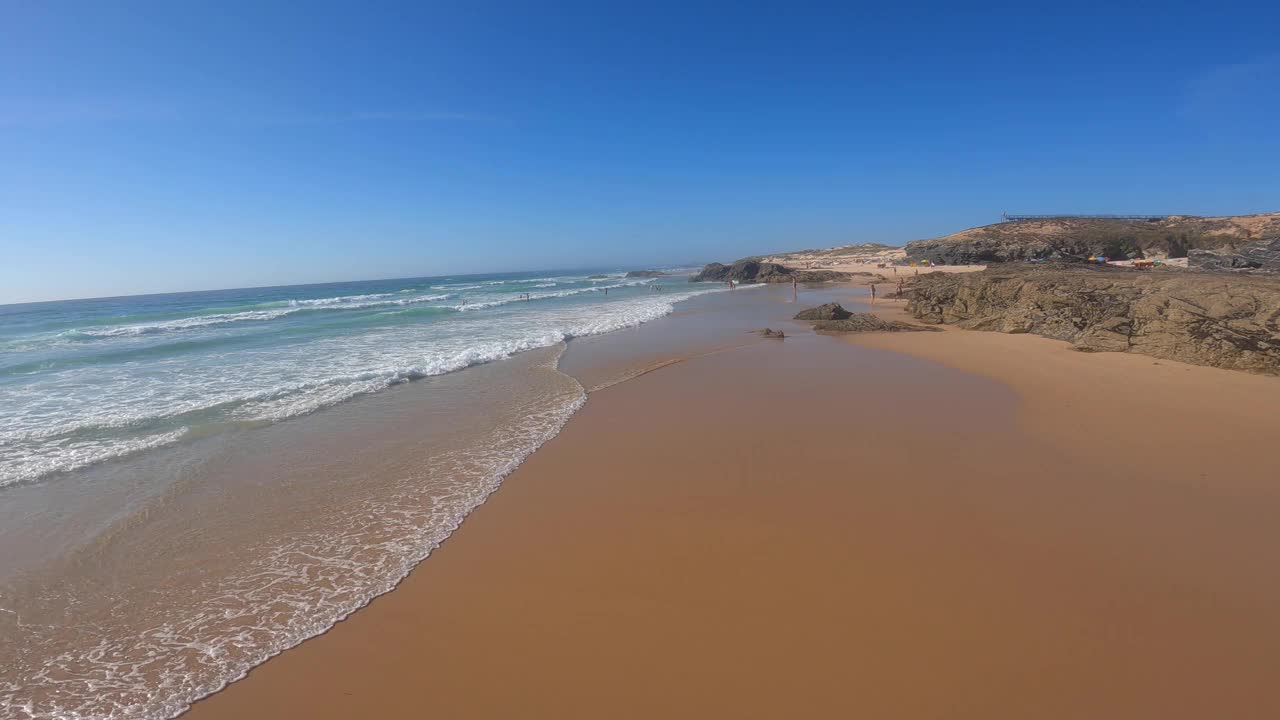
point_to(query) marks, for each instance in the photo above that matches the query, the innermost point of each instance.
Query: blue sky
(166, 146)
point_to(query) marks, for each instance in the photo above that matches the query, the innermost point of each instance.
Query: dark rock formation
(747, 270)
(829, 311)
(1218, 319)
(1079, 238)
(1261, 255)
(832, 317)
(752, 270)
(597, 277)
(866, 322)
(771, 333)
(646, 274)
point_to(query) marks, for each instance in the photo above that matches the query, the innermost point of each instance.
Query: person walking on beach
(873, 292)
(795, 291)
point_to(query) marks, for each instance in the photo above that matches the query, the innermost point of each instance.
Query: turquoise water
(86, 381)
(191, 483)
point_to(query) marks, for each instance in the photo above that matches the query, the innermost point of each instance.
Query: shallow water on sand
(137, 579)
(129, 589)
(87, 381)
(135, 588)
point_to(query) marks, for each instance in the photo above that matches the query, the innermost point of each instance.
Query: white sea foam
(341, 300)
(62, 423)
(352, 302)
(509, 299)
(189, 323)
(302, 584)
(294, 588)
(24, 465)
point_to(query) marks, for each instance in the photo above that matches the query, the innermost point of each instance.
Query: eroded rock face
(829, 311)
(832, 317)
(1262, 255)
(1065, 238)
(1217, 319)
(1070, 238)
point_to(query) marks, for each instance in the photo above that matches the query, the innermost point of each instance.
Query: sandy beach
(635, 361)
(954, 524)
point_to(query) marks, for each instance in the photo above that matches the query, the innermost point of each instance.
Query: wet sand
(1154, 418)
(816, 527)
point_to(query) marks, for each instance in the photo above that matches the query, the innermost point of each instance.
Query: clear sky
(181, 145)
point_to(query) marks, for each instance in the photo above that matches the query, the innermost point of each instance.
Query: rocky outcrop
(816, 276)
(1079, 238)
(747, 270)
(1262, 255)
(866, 322)
(771, 333)
(646, 274)
(829, 311)
(753, 270)
(832, 317)
(1218, 319)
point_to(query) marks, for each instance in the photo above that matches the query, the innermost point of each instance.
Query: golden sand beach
(931, 525)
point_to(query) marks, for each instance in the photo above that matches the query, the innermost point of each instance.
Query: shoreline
(659, 540)
(1078, 401)
(197, 559)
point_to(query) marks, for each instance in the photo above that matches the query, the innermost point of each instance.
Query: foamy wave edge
(373, 382)
(495, 483)
(412, 561)
(170, 707)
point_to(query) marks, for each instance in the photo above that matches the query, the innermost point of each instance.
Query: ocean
(191, 483)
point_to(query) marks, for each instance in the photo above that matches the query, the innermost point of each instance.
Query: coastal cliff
(1221, 320)
(1263, 255)
(1080, 237)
